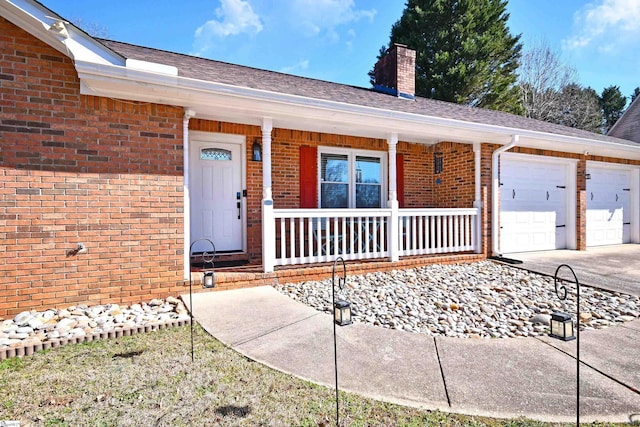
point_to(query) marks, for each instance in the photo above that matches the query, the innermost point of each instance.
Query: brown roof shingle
(237, 75)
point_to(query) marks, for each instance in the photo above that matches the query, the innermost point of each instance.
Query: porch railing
(304, 236)
(436, 231)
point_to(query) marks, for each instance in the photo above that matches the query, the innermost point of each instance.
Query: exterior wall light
(256, 151)
(438, 163)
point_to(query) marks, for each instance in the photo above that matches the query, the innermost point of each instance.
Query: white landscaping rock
(78, 321)
(483, 299)
(22, 318)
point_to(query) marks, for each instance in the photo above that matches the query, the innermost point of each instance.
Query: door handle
(238, 204)
(547, 195)
(513, 194)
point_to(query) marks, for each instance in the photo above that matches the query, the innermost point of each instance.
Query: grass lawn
(149, 380)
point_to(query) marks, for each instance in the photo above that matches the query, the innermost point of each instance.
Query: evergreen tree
(612, 103)
(635, 93)
(465, 52)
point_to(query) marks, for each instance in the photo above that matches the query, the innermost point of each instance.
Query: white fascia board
(73, 42)
(119, 82)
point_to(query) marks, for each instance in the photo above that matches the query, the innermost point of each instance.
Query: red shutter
(400, 179)
(308, 177)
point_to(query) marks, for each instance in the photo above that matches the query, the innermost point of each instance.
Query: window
(351, 179)
(215, 154)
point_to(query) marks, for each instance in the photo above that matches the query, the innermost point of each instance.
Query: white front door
(216, 194)
(608, 205)
(533, 204)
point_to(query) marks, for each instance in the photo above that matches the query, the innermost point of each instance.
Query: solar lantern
(562, 326)
(342, 312)
(209, 279)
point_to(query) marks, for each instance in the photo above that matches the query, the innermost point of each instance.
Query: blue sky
(338, 40)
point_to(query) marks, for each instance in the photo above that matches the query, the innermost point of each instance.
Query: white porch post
(394, 251)
(188, 114)
(477, 203)
(268, 221)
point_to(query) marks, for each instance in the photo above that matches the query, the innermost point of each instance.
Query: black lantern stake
(562, 326)
(341, 316)
(208, 279)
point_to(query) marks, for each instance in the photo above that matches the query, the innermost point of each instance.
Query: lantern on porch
(562, 326)
(342, 312)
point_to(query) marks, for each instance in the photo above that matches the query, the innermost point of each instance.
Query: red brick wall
(455, 186)
(73, 169)
(418, 175)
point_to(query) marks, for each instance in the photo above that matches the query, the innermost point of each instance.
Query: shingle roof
(237, 75)
(628, 126)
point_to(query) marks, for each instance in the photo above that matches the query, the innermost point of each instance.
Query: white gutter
(495, 195)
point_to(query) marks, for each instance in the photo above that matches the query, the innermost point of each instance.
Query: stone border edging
(28, 350)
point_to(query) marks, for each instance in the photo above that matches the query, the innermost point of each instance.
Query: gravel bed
(484, 299)
(35, 330)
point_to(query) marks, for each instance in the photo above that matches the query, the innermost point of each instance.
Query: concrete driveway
(616, 268)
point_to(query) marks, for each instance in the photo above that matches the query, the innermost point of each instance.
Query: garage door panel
(532, 205)
(608, 206)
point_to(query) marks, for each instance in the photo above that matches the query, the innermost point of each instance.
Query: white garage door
(533, 205)
(608, 206)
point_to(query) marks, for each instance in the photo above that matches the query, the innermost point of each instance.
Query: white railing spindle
(363, 233)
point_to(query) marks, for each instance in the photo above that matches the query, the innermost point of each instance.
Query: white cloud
(321, 17)
(296, 68)
(604, 24)
(234, 17)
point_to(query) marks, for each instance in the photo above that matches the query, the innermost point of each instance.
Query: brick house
(136, 153)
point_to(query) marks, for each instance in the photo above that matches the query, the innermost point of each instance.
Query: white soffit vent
(153, 67)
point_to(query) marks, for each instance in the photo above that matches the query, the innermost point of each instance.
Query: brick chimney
(395, 72)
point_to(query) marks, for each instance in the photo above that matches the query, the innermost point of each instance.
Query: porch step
(251, 275)
(232, 260)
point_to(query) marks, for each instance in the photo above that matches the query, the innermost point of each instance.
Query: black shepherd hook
(341, 281)
(206, 259)
(561, 293)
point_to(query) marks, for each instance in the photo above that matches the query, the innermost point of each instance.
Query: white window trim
(352, 153)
